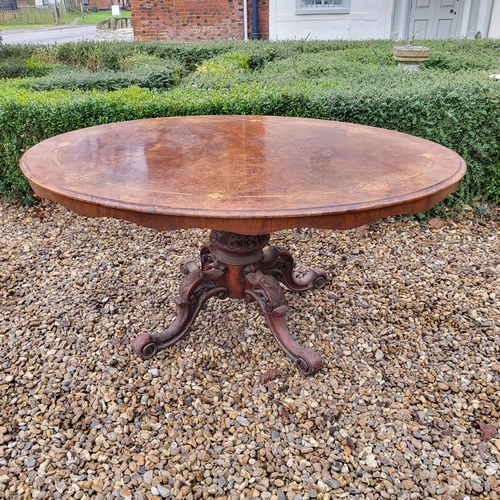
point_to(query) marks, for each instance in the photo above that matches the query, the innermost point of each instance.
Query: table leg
(237, 266)
(196, 288)
(279, 263)
(269, 295)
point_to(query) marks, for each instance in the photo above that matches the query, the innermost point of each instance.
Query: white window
(323, 7)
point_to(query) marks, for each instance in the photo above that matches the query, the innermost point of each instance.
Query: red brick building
(196, 20)
(102, 4)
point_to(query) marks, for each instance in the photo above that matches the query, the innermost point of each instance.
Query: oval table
(244, 177)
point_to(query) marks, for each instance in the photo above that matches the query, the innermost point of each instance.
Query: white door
(434, 19)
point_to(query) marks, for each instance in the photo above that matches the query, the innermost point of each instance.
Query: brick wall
(100, 4)
(195, 20)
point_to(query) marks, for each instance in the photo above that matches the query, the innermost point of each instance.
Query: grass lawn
(95, 17)
(67, 19)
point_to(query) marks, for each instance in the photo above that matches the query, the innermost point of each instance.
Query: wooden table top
(245, 174)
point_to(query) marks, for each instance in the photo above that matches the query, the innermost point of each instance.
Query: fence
(30, 15)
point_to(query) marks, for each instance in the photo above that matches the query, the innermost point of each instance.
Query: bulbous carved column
(238, 249)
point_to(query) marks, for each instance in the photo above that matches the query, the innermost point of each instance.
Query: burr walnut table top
(246, 174)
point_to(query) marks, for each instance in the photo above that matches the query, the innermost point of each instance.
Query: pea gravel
(406, 406)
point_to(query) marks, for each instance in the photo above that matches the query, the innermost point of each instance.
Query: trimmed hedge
(150, 78)
(358, 82)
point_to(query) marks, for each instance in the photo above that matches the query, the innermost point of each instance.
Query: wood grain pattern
(244, 174)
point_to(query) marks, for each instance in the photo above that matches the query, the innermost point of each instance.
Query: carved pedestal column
(235, 265)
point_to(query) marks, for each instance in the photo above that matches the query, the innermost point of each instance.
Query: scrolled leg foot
(144, 347)
(267, 292)
(308, 362)
(280, 264)
(319, 278)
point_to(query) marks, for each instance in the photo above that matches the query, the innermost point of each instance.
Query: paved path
(49, 35)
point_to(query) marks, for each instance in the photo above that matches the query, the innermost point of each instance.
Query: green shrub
(492, 191)
(139, 60)
(464, 55)
(10, 68)
(150, 63)
(19, 51)
(85, 54)
(225, 63)
(148, 77)
(104, 55)
(36, 68)
(339, 80)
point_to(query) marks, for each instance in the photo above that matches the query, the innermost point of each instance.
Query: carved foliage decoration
(267, 291)
(189, 284)
(237, 243)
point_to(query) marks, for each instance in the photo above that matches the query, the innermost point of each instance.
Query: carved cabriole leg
(271, 299)
(280, 264)
(196, 288)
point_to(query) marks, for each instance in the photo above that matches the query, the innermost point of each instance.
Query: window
(323, 7)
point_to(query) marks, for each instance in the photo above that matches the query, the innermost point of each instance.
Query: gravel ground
(407, 405)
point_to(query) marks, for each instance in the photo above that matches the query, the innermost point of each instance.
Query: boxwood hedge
(452, 100)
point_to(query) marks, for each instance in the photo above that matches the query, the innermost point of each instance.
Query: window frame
(300, 9)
